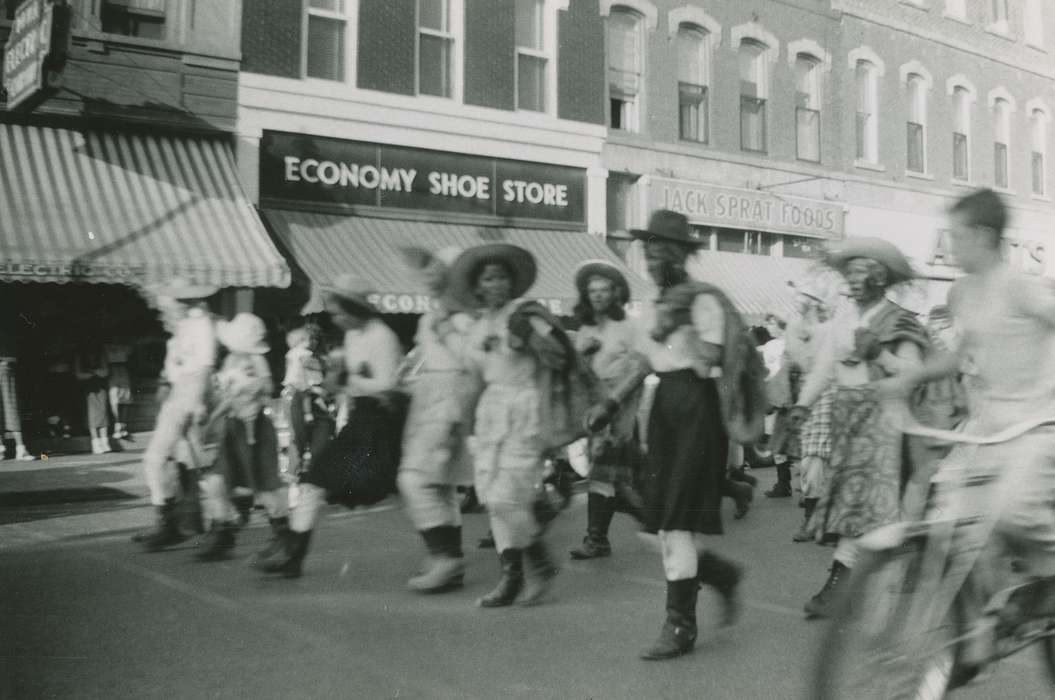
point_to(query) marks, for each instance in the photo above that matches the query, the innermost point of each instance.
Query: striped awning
(108, 207)
(756, 284)
(325, 246)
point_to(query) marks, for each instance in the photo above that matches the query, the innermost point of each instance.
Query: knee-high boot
(781, 489)
(509, 585)
(166, 532)
(541, 570)
(287, 560)
(445, 567)
(724, 577)
(279, 528)
(599, 512)
(804, 534)
(678, 635)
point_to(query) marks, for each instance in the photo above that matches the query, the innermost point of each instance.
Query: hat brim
(642, 234)
(601, 268)
(193, 291)
(897, 267)
(224, 333)
(520, 260)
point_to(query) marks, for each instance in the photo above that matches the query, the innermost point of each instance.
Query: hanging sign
(35, 52)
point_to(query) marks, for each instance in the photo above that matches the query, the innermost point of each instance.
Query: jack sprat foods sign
(296, 168)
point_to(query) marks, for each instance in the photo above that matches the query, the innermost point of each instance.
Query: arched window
(1038, 128)
(694, 79)
(1033, 21)
(916, 132)
(961, 133)
(625, 68)
(1001, 139)
(808, 107)
(867, 78)
(754, 87)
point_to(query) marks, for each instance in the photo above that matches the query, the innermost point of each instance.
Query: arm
(905, 358)
(822, 374)
(708, 319)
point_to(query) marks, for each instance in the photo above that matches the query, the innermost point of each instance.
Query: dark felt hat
(667, 225)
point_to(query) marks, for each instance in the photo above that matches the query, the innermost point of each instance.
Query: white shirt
(372, 355)
(708, 323)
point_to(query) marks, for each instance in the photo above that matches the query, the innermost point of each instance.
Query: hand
(592, 346)
(797, 416)
(600, 415)
(519, 326)
(866, 344)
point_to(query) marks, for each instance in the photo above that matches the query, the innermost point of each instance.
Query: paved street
(85, 614)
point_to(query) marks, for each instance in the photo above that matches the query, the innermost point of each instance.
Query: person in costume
(189, 358)
(607, 339)
(693, 335)
(869, 339)
(307, 400)
(358, 466)
(436, 459)
(247, 454)
(527, 365)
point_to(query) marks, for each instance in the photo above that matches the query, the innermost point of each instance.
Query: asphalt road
(85, 614)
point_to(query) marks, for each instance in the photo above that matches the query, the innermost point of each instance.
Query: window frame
(702, 88)
(955, 9)
(450, 36)
(330, 15)
(1038, 126)
(916, 93)
(814, 98)
(1002, 139)
(538, 54)
(760, 98)
(961, 111)
(631, 110)
(1033, 23)
(869, 72)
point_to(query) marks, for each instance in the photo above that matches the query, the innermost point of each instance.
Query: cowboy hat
(667, 225)
(883, 252)
(244, 333)
(350, 288)
(601, 268)
(520, 261)
(182, 288)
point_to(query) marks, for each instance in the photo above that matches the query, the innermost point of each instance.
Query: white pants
(681, 551)
(172, 422)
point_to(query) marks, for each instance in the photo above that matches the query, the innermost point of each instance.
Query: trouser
(681, 552)
(429, 504)
(173, 421)
(217, 506)
(513, 525)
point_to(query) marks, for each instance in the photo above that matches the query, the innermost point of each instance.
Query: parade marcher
(358, 466)
(93, 372)
(189, 358)
(696, 334)
(308, 402)
(247, 454)
(528, 367)
(436, 459)
(778, 392)
(607, 340)
(870, 339)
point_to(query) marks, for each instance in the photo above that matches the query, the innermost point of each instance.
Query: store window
(694, 77)
(145, 19)
(531, 56)
(807, 108)
(625, 68)
(622, 200)
(1039, 151)
(1034, 22)
(961, 131)
(867, 78)
(435, 48)
(916, 128)
(753, 90)
(1001, 139)
(326, 39)
(956, 8)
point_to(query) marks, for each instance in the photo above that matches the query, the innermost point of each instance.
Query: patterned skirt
(815, 435)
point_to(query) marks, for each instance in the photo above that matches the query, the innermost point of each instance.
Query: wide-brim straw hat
(244, 333)
(601, 268)
(670, 226)
(350, 288)
(519, 260)
(182, 288)
(883, 252)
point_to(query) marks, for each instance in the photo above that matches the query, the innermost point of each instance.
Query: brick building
(117, 176)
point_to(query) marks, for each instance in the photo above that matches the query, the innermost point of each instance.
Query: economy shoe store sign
(334, 173)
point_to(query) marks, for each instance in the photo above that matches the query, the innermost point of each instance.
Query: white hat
(244, 333)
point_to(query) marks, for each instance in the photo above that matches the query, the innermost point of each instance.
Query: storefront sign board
(34, 51)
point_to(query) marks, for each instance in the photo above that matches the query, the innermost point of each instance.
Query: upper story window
(694, 79)
(326, 39)
(1033, 20)
(998, 13)
(531, 56)
(435, 48)
(961, 133)
(1038, 128)
(956, 8)
(1001, 139)
(916, 132)
(145, 19)
(867, 131)
(625, 68)
(808, 107)
(754, 87)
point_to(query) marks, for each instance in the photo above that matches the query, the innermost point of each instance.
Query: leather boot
(724, 577)
(445, 565)
(279, 528)
(218, 542)
(781, 489)
(741, 474)
(599, 512)
(289, 559)
(629, 501)
(509, 585)
(541, 570)
(190, 500)
(166, 531)
(678, 635)
(823, 604)
(741, 493)
(804, 534)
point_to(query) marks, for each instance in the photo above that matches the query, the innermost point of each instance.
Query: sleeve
(709, 319)
(385, 355)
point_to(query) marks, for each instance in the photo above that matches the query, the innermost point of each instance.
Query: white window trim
(810, 48)
(691, 14)
(350, 18)
(873, 132)
(961, 81)
(915, 68)
(918, 4)
(1037, 105)
(865, 53)
(961, 16)
(633, 126)
(550, 20)
(1001, 93)
(710, 42)
(1007, 143)
(456, 33)
(754, 30)
(642, 7)
(1036, 41)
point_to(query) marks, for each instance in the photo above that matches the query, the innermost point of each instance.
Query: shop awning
(756, 284)
(106, 207)
(325, 246)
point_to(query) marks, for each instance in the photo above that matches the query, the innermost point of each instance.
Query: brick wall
(581, 63)
(387, 36)
(490, 53)
(271, 37)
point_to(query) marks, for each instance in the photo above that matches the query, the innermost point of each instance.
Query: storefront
(90, 220)
(339, 206)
